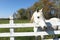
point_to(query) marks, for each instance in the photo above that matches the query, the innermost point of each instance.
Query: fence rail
(29, 33)
(13, 34)
(16, 25)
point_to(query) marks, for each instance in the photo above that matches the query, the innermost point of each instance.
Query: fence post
(35, 31)
(11, 29)
(42, 37)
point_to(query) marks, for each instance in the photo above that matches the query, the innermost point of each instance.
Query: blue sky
(8, 7)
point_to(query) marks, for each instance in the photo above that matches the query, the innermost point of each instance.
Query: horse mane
(54, 19)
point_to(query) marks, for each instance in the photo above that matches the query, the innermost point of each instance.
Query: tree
(14, 15)
(47, 5)
(21, 12)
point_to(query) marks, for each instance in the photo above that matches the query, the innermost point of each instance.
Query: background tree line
(50, 9)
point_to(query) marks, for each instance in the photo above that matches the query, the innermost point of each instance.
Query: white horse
(54, 22)
(40, 21)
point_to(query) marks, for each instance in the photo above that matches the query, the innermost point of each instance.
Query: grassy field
(4, 21)
(16, 30)
(19, 30)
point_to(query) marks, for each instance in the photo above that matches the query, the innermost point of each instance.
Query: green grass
(49, 36)
(24, 38)
(2, 30)
(27, 38)
(23, 29)
(4, 21)
(4, 38)
(21, 21)
(15, 21)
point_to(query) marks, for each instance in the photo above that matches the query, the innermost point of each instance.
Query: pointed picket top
(11, 20)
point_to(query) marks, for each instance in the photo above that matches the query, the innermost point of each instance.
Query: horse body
(54, 22)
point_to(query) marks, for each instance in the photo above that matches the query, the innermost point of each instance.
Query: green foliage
(21, 13)
(27, 13)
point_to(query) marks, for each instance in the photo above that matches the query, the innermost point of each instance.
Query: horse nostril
(38, 17)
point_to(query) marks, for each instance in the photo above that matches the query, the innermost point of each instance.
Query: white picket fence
(13, 34)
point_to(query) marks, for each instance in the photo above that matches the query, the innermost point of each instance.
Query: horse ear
(41, 9)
